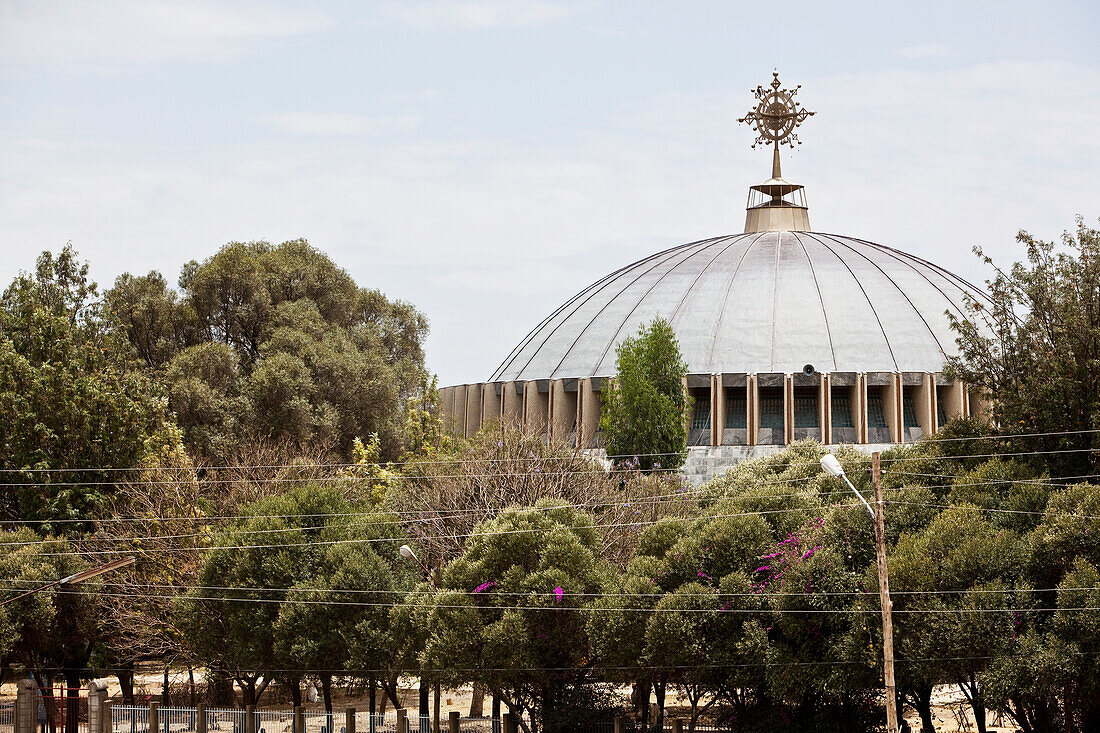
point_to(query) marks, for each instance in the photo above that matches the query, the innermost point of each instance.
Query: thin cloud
(104, 35)
(931, 162)
(474, 14)
(924, 51)
(337, 123)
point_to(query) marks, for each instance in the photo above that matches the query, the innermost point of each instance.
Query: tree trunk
(191, 685)
(641, 705)
(477, 701)
(165, 695)
(326, 691)
(922, 703)
(72, 700)
(659, 691)
(424, 707)
(973, 694)
(295, 692)
(125, 677)
(373, 687)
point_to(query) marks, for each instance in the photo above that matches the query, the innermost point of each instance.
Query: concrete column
(677, 725)
(490, 403)
(97, 701)
(511, 404)
(453, 722)
(588, 424)
(460, 410)
(934, 397)
(200, 718)
(561, 415)
(753, 407)
(154, 718)
(349, 720)
(788, 409)
(250, 719)
(979, 404)
(620, 725)
(860, 405)
(536, 413)
(473, 409)
(402, 722)
(718, 399)
(824, 408)
(954, 400)
(446, 406)
(299, 724)
(924, 400)
(508, 723)
(26, 706)
(891, 399)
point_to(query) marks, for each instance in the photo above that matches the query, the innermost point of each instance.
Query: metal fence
(127, 719)
(7, 717)
(135, 719)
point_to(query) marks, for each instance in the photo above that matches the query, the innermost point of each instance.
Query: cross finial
(776, 115)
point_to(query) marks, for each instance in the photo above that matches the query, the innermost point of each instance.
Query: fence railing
(135, 719)
(7, 717)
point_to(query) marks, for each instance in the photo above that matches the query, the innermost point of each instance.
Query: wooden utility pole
(884, 598)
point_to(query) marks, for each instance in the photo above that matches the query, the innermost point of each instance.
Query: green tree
(72, 398)
(645, 408)
(507, 615)
(49, 633)
(151, 315)
(949, 580)
(1034, 347)
(339, 618)
(304, 539)
(276, 343)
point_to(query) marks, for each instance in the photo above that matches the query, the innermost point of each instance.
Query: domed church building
(788, 334)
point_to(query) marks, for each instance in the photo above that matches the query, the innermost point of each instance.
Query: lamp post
(77, 577)
(833, 468)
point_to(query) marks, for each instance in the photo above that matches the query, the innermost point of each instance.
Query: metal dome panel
(758, 302)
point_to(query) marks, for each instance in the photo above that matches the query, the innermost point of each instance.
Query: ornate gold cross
(776, 115)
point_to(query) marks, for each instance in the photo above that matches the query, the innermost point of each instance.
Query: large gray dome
(759, 302)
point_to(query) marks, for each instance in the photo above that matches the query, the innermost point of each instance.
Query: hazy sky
(486, 159)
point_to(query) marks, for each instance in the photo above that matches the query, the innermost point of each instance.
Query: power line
(525, 594)
(301, 671)
(369, 540)
(582, 609)
(580, 456)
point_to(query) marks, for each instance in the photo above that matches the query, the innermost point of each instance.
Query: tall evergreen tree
(645, 409)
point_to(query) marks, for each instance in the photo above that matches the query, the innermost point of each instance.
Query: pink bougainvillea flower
(558, 593)
(485, 586)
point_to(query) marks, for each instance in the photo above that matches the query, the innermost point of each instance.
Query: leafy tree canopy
(645, 409)
(1034, 347)
(277, 343)
(72, 397)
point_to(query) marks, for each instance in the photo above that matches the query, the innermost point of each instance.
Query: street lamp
(408, 554)
(78, 577)
(833, 468)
